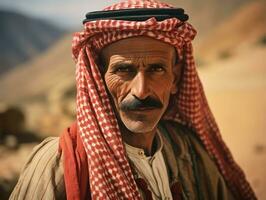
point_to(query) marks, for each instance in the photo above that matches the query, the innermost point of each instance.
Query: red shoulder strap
(75, 164)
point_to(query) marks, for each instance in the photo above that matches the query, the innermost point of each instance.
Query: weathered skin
(146, 69)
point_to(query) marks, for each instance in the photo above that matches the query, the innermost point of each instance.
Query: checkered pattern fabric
(109, 171)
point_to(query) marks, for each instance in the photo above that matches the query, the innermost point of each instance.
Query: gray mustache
(136, 104)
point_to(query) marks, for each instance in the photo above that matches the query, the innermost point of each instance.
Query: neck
(140, 140)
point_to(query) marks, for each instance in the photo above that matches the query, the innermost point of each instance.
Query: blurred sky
(67, 13)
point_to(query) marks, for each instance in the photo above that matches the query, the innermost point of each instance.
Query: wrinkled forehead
(136, 47)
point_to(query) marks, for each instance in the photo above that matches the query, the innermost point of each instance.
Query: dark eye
(124, 68)
(156, 68)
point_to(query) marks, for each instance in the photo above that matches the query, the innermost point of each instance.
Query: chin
(140, 123)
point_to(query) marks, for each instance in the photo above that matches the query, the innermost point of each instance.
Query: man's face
(140, 76)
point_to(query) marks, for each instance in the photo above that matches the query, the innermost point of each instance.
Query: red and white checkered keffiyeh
(110, 175)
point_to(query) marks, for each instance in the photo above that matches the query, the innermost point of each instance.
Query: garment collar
(140, 153)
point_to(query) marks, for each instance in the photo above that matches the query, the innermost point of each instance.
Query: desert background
(37, 83)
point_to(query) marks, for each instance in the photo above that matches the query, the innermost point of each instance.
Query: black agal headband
(139, 14)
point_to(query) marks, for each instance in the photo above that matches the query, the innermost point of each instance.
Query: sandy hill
(23, 37)
(236, 34)
(206, 15)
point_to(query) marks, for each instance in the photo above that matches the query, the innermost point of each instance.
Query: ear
(177, 75)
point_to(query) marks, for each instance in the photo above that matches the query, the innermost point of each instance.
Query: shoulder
(42, 176)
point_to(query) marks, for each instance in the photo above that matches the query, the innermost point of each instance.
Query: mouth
(143, 109)
(146, 108)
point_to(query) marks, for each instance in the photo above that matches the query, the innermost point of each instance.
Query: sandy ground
(242, 124)
(11, 163)
(236, 92)
(12, 160)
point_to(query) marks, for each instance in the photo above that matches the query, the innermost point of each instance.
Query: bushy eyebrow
(157, 64)
(121, 64)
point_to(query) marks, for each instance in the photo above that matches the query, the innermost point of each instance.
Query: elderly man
(144, 129)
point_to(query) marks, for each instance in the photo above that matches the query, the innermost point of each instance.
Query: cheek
(115, 86)
(163, 89)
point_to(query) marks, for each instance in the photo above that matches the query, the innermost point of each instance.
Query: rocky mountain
(40, 76)
(23, 37)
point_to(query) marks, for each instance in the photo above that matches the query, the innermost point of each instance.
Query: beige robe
(42, 177)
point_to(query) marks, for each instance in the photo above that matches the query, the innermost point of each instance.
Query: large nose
(140, 87)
